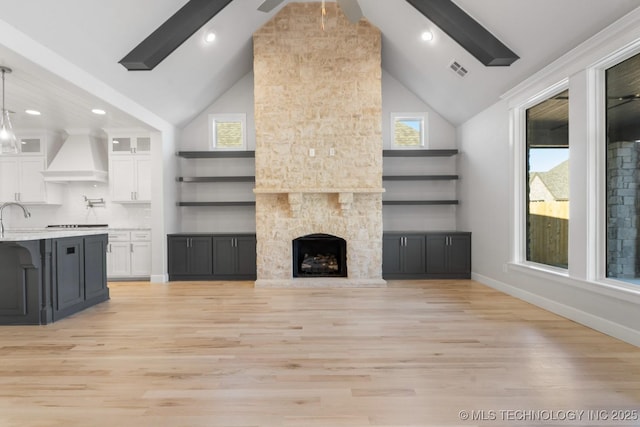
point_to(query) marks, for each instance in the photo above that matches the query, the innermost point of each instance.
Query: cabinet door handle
(131, 247)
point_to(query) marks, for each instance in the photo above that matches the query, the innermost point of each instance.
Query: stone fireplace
(318, 113)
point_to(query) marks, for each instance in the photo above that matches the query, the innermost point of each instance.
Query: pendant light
(7, 136)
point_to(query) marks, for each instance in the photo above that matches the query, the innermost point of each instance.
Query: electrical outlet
(312, 152)
(332, 151)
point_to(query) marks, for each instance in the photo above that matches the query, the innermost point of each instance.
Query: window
(547, 203)
(228, 131)
(408, 130)
(623, 170)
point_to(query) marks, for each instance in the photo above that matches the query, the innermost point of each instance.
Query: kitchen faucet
(27, 214)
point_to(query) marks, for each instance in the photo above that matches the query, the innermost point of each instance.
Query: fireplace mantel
(295, 196)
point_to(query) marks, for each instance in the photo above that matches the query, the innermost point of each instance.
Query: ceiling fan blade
(175, 30)
(351, 9)
(269, 5)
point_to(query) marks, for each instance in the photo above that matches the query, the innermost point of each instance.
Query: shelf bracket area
(295, 203)
(295, 197)
(345, 200)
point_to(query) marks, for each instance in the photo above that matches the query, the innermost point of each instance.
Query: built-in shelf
(216, 179)
(215, 154)
(419, 153)
(218, 204)
(428, 177)
(418, 202)
(419, 177)
(345, 194)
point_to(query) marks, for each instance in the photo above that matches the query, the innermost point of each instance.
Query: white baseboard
(616, 330)
(159, 278)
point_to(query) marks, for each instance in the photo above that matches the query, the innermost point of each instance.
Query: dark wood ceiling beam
(175, 31)
(466, 31)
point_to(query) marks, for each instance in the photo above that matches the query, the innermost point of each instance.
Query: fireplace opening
(319, 255)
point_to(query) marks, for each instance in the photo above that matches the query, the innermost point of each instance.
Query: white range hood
(82, 157)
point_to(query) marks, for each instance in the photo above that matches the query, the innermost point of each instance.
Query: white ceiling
(65, 55)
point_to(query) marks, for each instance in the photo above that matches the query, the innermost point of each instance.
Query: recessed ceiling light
(209, 36)
(427, 36)
(98, 111)
(32, 112)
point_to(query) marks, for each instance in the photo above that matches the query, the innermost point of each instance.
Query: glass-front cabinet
(130, 145)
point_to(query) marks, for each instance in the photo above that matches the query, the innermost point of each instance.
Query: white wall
(195, 137)
(484, 189)
(441, 134)
(396, 98)
(164, 215)
(491, 166)
(238, 99)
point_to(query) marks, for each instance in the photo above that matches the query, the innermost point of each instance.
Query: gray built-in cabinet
(212, 256)
(426, 255)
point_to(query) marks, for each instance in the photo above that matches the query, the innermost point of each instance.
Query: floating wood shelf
(419, 153)
(218, 204)
(418, 202)
(215, 154)
(216, 179)
(419, 177)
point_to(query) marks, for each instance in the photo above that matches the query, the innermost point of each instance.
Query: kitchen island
(48, 275)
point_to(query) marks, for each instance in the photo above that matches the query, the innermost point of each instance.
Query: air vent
(458, 69)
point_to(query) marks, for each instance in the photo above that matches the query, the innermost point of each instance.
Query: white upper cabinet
(130, 167)
(21, 177)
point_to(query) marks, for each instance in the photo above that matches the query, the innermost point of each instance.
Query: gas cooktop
(78, 226)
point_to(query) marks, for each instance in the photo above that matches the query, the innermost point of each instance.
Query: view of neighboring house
(550, 186)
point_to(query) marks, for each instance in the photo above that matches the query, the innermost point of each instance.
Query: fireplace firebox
(319, 255)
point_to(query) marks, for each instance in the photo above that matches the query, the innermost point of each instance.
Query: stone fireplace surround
(318, 108)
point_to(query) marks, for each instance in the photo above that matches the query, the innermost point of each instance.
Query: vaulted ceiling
(65, 55)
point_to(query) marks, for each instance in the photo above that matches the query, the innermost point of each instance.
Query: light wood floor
(226, 354)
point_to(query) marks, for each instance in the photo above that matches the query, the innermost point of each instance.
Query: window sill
(606, 287)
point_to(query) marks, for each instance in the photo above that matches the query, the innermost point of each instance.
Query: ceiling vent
(458, 69)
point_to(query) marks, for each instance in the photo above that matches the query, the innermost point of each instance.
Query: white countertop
(41, 233)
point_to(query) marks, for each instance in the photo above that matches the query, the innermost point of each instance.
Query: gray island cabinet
(46, 276)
